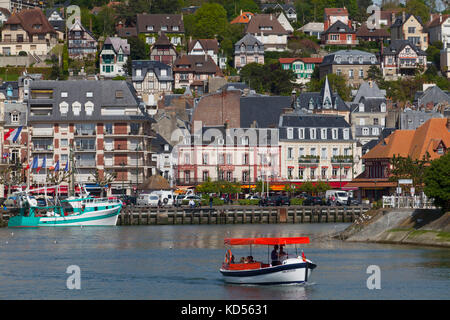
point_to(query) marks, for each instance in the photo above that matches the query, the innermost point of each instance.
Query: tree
(408, 168)
(337, 83)
(437, 181)
(374, 74)
(307, 187)
(103, 179)
(269, 77)
(418, 8)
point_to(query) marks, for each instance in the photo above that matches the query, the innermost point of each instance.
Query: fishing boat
(73, 211)
(286, 270)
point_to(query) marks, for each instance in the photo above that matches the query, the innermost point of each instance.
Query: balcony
(85, 133)
(43, 148)
(309, 159)
(38, 134)
(86, 164)
(342, 159)
(81, 149)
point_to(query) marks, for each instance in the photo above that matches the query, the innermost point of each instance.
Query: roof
(207, 44)
(369, 90)
(159, 20)
(262, 111)
(313, 26)
(432, 95)
(150, 65)
(103, 95)
(350, 57)
(159, 142)
(155, 182)
(118, 43)
(336, 11)
(413, 143)
(5, 12)
(244, 17)
(370, 105)
(197, 64)
(339, 27)
(399, 20)
(363, 31)
(397, 46)
(127, 32)
(249, 41)
(437, 21)
(304, 60)
(28, 18)
(284, 7)
(267, 21)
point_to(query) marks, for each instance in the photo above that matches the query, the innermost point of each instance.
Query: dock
(134, 216)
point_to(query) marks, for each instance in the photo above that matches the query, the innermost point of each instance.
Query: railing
(417, 202)
(43, 148)
(85, 132)
(81, 149)
(86, 164)
(342, 159)
(309, 159)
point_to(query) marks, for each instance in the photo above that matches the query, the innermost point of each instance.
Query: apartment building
(81, 42)
(92, 125)
(318, 148)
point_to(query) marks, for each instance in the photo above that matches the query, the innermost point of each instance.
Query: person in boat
(282, 255)
(250, 259)
(274, 256)
(242, 260)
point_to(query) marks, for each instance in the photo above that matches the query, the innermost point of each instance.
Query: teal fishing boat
(73, 211)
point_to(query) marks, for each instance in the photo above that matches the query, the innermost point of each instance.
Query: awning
(266, 241)
(371, 184)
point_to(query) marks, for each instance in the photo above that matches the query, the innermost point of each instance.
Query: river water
(182, 262)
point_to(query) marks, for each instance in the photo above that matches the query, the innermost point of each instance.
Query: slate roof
(117, 43)
(155, 66)
(399, 20)
(127, 32)
(207, 44)
(265, 111)
(304, 99)
(370, 105)
(343, 57)
(398, 45)
(339, 27)
(104, 95)
(369, 90)
(249, 41)
(433, 95)
(305, 120)
(363, 31)
(197, 64)
(158, 143)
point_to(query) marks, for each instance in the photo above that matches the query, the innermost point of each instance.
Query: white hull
(292, 271)
(106, 217)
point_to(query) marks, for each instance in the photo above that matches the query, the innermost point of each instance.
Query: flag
(8, 134)
(35, 164)
(28, 166)
(55, 167)
(16, 136)
(44, 162)
(66, 168)
(5, 155)
(303, 257)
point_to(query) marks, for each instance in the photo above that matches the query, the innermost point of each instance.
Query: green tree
(103, 179)
(419, 9)
(337, 83)
(210, 21)
(437, 181)
(408, 168)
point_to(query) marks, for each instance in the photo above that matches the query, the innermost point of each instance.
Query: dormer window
(149, 28)
(373, 60)
(37, 26)
(175, 28)
(360, 59)
(290, 133)
(350, 59)
(338, 59)
(164, 28)
(15, 117)
(89, 94)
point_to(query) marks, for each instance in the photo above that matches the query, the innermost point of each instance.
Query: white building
(114, 57)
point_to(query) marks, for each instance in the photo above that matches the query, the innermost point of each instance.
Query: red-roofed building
(302, 67)
(332, 15)
(433, 138)
(243, 18)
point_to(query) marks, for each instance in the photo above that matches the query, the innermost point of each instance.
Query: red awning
(266, 241)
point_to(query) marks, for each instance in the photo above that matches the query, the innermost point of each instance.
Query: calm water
(182, 262)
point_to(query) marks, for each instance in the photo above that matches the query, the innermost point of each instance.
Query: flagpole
(28, 151)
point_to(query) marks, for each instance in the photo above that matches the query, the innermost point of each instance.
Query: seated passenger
(242, 260)
(283, 255)
(250, 259)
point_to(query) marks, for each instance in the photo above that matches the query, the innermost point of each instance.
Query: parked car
(276, 200)
(167, 197)
(253, 197)
(148, 200)
(184, 199)
(313, 201)
(353, 202)
(340, 196)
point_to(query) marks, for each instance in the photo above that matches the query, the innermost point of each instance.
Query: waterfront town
(254, 97)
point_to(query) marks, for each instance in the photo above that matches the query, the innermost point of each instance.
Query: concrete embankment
(403, 226)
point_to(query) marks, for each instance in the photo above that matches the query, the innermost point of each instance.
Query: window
(15, 117)
(301, 133)
(289, 154)
(324, 173)
(64, 143)
(108, 128)
(89, 94)
(323, 153)
(313, 151)
(350, 73)
(312, 133)
(375, 131)
(335, 152)
(323, 133)
(290, 173)
(138, 72)
(338, 72)
(63, 94)
(290, 133)
(229, 158)
(76, 107)
(375, 121)
(361, 73)
(346, 134)
(149, 28)
(301, 152)
(205, 158)
(365, 131)
(205, 175)
(334, 133)
(89, 107)
(411, 30)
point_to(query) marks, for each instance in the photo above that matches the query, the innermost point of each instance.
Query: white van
(341, 196)
(167, 197)
(147, 200)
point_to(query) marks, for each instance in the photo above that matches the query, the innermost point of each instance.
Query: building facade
(409, 27)
(81, 42)
(113, 57)
(163, 51)
(318, 148)
(402, 58)
(248, 50)
(77, 124)
(151, 26)
(303, 68)
(28, 31)
(267, 29)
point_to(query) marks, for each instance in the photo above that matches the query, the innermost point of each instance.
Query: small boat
(73, 211)
(288, 270)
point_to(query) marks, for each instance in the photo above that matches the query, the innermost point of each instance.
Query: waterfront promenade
(232, 215)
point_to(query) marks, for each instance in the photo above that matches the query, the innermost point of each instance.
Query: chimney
(293, 98)
(440, 17)
(403, 16)
(392, 17)
(270, 17)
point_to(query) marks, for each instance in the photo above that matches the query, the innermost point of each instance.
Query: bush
(297, 202)
(23, 54)
(248, 202)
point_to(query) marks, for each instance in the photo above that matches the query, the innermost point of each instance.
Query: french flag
(13, 134)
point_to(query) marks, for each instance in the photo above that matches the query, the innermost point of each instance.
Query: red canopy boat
(281, 270)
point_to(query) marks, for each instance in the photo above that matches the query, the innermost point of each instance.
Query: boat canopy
(266, 241)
